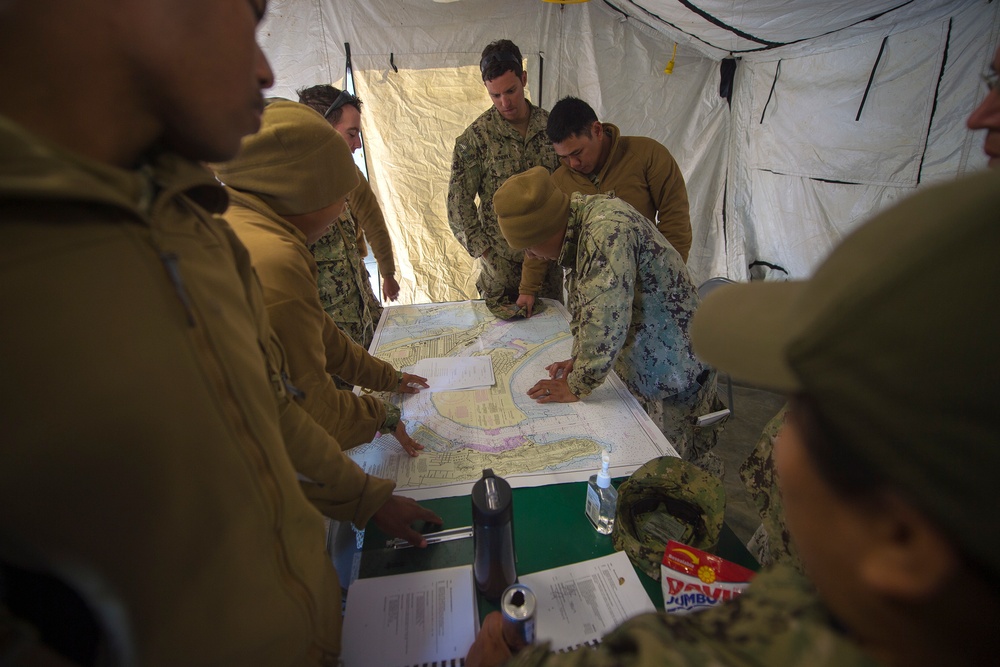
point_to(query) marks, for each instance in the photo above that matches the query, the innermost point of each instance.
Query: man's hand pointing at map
(554, 390)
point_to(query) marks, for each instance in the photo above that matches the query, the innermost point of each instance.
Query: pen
(433, 538)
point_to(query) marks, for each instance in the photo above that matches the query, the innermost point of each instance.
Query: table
(500, 427)
(550, 530)
(550, 527)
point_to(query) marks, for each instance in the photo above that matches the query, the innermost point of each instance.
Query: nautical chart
(500, 427)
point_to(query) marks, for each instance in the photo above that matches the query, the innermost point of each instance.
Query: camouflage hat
(667, 499)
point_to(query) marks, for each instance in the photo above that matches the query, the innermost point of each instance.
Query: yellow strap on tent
(669, 69)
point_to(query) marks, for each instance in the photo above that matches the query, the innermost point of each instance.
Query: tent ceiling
(720, 27)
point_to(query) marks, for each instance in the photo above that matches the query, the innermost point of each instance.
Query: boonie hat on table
(666, 499)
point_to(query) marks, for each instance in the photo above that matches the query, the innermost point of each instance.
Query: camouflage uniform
(632, 301)
(344, 286)
(772, 542)
(489, 152)
(779, 620)
(371, 229)
(667, 499)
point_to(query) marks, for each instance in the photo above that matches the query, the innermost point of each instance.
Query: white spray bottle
(602, 498)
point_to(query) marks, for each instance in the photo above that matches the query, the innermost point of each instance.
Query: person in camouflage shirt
(344, 282)
(505, 140)
(886, 461)
(631, 300)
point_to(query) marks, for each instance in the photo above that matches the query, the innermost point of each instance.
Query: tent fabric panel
(619, 71)
(798, 221)
(822, 120)
(409, 152)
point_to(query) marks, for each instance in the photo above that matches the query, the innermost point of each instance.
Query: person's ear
(597, 129)
(524, 78)
(908, 557)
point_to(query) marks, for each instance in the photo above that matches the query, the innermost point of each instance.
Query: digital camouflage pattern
(667, 499)
(344, 286)
(632, 299)
(693, 443)
(778, 620)
(772, 542)
(486, 154)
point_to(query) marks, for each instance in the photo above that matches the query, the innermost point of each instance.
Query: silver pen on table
(433, 538)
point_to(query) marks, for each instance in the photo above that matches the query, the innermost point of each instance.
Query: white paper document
(456, 373)
(578, 604)
(419, 618)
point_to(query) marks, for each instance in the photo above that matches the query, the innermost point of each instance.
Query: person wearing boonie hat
(287, 186)
(887, 461)
(631, 300)
(507, 138)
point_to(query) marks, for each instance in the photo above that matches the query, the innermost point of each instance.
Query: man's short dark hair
(328, 100)
(499, 57)
(570, 117)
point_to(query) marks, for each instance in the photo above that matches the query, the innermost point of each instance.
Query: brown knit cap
(530, 208)
(296, 163)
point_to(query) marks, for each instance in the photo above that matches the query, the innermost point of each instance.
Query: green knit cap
(530, 208)
(296, 163)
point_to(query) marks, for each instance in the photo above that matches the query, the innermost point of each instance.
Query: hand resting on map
(410, 446)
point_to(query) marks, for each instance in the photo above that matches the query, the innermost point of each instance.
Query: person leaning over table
(150, 449)
(596, 158)
(286, 186)
(886, 463)
(631, 300)
(344, 283)
(503, 141)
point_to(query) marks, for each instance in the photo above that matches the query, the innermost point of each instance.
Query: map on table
(500, 427)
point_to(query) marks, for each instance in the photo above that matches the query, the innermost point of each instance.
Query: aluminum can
(517, 604)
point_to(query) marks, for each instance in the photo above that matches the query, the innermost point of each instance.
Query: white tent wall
(778, 178)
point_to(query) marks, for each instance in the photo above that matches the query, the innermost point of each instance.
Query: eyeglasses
(497, 57)
(992, 79)
(342, 99)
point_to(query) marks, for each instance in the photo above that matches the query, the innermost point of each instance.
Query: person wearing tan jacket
(287, 186)
(344, 283)
(150, 447)
(597, 159)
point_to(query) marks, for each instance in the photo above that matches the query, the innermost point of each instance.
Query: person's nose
(977, 119)
(265, 75)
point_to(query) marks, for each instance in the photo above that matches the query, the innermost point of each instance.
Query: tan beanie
(530, 208)
(296, 163)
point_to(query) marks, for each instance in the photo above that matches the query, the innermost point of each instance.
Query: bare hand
(395, 517)
(390, 288)
(552, 391)
(411, 384)
(489, 649)
(410, 446)
(560, 369)
(526, 301)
